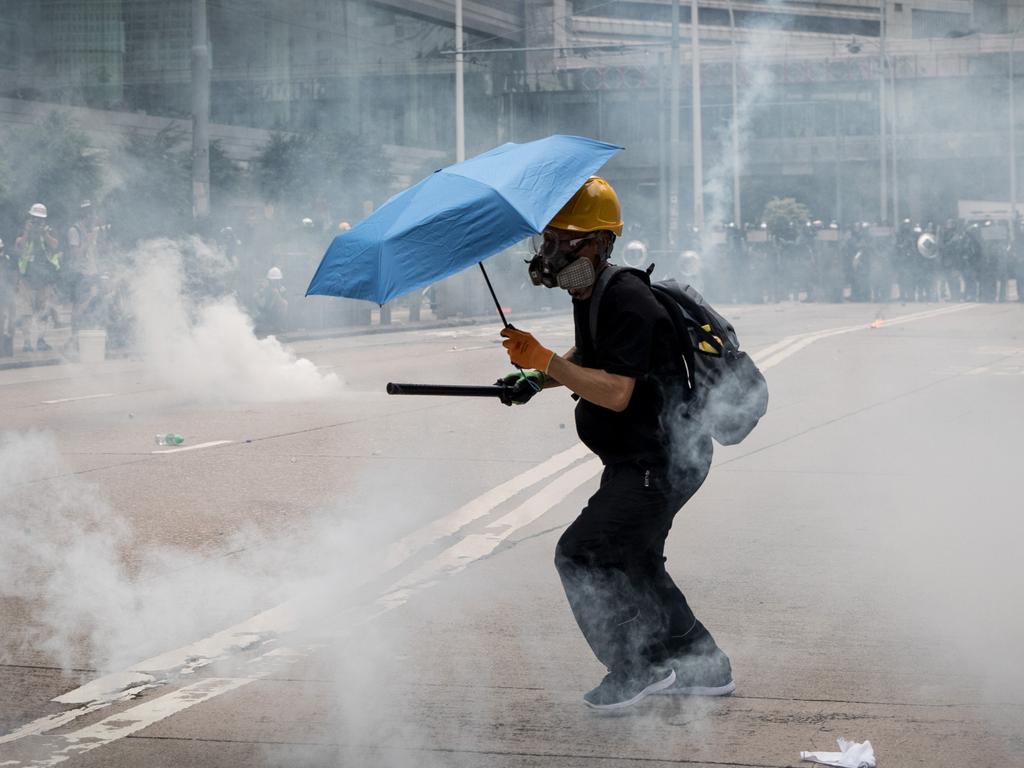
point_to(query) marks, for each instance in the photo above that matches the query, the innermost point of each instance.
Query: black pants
(612, 564)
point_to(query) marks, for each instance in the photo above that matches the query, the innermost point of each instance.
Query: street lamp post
(200, 112)
(698, 155)
(1013, 133)
(883, 189)
(673, 133)
(736, 208)
(460, 100)
(894, 128)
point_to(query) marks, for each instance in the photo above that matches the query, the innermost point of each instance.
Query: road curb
(373, 330)
(327, 333)
(16, 364)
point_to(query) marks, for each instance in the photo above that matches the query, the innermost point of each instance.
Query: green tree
(153, 194)
(51, 163)
(300, 171)
(226, 177)
(779, 212)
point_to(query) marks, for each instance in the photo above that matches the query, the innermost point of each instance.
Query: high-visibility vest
(28, 255)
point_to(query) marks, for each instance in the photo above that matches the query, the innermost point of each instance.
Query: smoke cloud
(101, 597)
(205, 348)
(759, 88)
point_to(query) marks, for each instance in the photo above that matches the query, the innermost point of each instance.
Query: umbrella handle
(501, 314)
(494, 296)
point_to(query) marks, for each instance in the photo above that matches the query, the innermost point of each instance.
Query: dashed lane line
(76, 399)
(197, 447)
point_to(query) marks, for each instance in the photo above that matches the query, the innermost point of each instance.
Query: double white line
(772, 355)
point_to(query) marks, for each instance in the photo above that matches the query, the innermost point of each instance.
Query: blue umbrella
(456, 217)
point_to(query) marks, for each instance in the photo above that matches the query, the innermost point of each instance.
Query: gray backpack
(721, 386)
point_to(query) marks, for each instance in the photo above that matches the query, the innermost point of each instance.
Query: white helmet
(38, 210)
(635, 254)
(307, 222)
(274, 274)
(689, 263)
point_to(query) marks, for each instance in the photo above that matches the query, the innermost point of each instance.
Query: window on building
(938, 23)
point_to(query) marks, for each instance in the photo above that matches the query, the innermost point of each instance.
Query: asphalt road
(358, 579)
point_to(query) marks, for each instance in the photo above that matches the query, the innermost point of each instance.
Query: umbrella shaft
(448, 390)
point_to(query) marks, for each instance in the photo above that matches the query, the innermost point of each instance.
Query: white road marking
(196, 447)
(246, 634)
(472, 349)
(48, 723)
(452, 560)
(777, 346)
(477, 545)
(80, 397)
(775, 354)
(924, 315)
(130, 721)
(452, 523)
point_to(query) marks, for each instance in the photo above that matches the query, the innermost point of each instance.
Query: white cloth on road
(851, 754)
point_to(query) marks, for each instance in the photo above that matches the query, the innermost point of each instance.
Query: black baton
(447, 390)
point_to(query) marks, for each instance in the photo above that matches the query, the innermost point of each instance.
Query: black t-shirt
(634, 338)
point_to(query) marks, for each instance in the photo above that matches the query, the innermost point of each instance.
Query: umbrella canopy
(456, 217)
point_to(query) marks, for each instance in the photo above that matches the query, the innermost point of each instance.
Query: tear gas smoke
(205, 348)
(101, 597)
(718, 183)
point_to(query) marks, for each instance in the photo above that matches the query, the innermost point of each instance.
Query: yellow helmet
(594, 207)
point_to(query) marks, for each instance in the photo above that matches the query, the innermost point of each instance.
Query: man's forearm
(609, 390)
(551, 380)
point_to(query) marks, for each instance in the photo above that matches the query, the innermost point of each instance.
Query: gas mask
(557, 263)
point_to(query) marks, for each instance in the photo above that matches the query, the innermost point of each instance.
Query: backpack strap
(603, 280)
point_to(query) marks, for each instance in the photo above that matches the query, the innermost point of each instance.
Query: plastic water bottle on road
(169, 439)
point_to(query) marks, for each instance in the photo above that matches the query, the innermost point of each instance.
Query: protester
(611, 559)
(8, 301)
(82, 270)
(39, 263)
(271, 304)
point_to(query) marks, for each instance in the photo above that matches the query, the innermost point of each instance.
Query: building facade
(864, 109)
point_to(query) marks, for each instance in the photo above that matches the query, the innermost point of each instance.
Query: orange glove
(525, 351)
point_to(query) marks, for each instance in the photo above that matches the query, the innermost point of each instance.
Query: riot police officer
(973, 256)
(881, 263)
(1017, 254)
(857, 261)
(760, 258)
(992, 273)
(905, 261)
(950, 242)
(828, 262)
